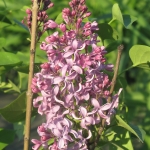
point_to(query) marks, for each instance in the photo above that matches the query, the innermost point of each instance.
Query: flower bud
(79, 21)
(44, 138)
(28, 11)
(73, 13)
(44, 66)
(50, 5)
(51, 24)
(62, 27)
(51, 38)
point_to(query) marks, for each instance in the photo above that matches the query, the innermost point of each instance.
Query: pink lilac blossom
(73, 86)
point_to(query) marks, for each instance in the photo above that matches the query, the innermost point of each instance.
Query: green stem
(111, 21)
(31, 71)
(126, 70)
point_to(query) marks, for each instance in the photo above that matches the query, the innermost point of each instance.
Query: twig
(120, 49)
(101, 129)
(31, 71)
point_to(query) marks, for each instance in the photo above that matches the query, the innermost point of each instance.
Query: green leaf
(121, 140)
(19, 129)
(59, 19)
(6, 137)
(13, 88)
(15, 111)
(8, 59)
(140, 56)
(140, 133)
(4, 69)
(2, 42)
(86, 20)
(24, 8)
(126, 20)
(116, 138)
(25, 68)
(111, 44)
(21, 24)
(121, 82)
(138, 130)
(50, 142)
(107, 32)
(23, 81)
(116, 13)
(40, 57)
(3, 18)
(4, 85)
(147, 139)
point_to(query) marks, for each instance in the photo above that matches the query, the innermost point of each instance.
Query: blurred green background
(136, 95)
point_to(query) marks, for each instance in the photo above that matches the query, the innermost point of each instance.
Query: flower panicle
(73, 86)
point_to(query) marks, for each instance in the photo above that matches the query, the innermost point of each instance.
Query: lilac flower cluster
(42, 17)
(73, 86)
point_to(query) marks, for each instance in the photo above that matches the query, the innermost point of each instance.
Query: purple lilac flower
(72, 85)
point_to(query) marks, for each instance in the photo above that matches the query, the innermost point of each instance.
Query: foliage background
(13, 38)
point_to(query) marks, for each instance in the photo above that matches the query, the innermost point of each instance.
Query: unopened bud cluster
(42, 17)
(72, 84)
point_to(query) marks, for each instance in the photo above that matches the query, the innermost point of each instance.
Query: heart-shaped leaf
(107, 32)
(126, 20)
(140, 56)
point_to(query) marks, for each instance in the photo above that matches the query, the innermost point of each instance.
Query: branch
(101, 129)
(120, 49)
(31, 71)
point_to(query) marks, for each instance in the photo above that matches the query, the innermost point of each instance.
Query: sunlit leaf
(116, 138)
(140, 56)
(24, 8)
(2, 42)
(51, 141)
(4, 85)
(147, 139)
(59, 19)
(8, 59)
(23, 81)
(13, 87)
(133, 129)
(40, 57)
(126, 20)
